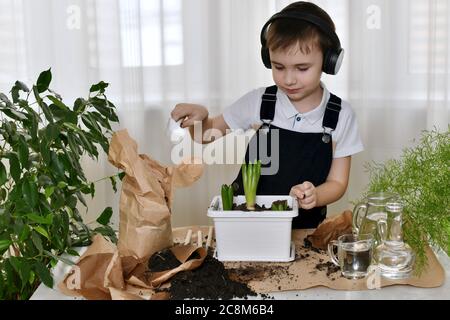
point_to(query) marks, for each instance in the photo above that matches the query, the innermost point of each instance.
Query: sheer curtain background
(157, 53)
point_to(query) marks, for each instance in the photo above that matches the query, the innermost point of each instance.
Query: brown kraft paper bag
(145, 202)
(105, 271)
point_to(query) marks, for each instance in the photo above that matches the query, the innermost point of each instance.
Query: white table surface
(395, 292)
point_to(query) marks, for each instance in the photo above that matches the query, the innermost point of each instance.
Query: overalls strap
(269, 99)
(331, 116)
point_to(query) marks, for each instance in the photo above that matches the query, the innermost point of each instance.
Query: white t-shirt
(244, 114)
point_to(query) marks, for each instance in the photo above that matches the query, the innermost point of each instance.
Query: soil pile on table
(162, 260)
(209, 281)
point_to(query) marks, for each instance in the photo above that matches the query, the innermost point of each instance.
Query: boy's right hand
(190, 113)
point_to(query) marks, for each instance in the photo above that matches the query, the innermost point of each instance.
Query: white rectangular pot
(254, 236)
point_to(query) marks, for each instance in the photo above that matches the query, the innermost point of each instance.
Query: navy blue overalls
(302, 157)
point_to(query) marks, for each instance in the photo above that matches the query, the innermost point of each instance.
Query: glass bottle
(394, 257)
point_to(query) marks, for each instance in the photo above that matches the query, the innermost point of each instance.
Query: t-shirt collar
(312, 116)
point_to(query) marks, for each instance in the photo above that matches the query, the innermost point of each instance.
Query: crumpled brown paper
(146, 199)
(331, 229)
(104, 271)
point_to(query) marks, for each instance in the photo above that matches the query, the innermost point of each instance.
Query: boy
(317, 131)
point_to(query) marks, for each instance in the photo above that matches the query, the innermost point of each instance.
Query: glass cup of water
(354, 254)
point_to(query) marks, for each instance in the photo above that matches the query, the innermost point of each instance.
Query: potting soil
(209, 281)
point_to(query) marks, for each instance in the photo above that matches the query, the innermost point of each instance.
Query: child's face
(297, 74)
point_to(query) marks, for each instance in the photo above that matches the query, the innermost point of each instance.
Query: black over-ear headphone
(332, 59)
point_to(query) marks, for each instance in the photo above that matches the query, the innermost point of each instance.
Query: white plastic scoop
(174, 131)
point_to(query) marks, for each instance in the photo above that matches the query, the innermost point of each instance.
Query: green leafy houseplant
(422, 178)
(250, 178)
(41, 180)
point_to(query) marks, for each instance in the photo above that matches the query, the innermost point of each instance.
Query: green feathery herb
(422, 178)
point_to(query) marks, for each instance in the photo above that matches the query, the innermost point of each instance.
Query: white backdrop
(156, 53)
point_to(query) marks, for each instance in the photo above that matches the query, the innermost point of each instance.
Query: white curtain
(156, 53)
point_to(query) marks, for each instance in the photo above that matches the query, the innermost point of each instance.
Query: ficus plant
(42, 181)
(250, 178)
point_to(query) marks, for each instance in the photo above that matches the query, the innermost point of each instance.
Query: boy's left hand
(306, 195)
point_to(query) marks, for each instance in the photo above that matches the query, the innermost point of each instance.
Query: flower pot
(254, 236)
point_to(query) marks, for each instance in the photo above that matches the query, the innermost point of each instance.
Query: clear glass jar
(394, 257)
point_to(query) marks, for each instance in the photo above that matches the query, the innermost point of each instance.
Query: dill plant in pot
(421, 176)
(41, 180)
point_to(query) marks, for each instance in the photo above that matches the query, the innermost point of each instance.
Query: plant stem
(250, 178)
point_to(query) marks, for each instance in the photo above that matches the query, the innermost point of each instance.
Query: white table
(317, 293)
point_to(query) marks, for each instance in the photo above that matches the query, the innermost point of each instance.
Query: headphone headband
(318, 22)
(332, 57)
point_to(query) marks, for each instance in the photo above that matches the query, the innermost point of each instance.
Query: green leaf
(56, 165)
(73, 145)
(51, 133)
(81, 198)
(57, 95)
(64, 260)
(23, 152)
(105, 217)
(3, 174)
(71, 126)
(227, 197)
(57, 102)
(49, 191)
(14, 167)
(4, 245)
(62, 184)
(114, 183)
(42, 231)
(105, 108)
(3, 194)
(44, 80)
(43, 273)
(92, 189)
(88, 146)
(71, 201)
(79, 105)
(22, 86)
(22, 268)
(24, 233)
(65, 115)
(47, 112)
(107, 232)
(30, 193)
(90, 125)
(37, 241)
(44, 180)
(73, 252)
(103, 121)
(6, 100)
(14, 114)
(99, 87)
(113, 116)
(15, 94)
(122, 175)
(48, 219)
(32, 277)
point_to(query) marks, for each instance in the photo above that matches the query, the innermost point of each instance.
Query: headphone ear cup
(332, 61)
(327, 62)
(265, 56)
